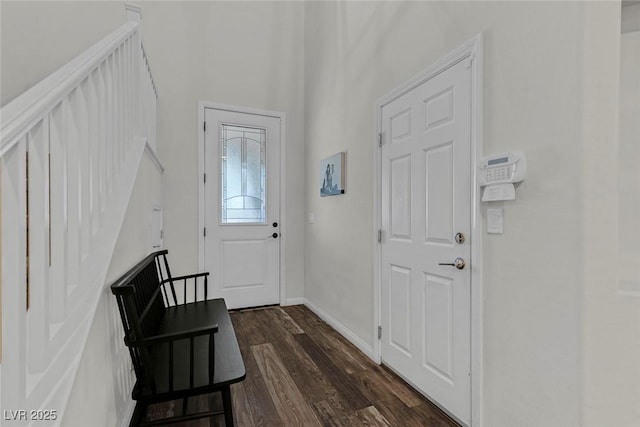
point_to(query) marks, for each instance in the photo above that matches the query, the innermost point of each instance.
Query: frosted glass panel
(234, 171)
(254, 171)
(243, 175)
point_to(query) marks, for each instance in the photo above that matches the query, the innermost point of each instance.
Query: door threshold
(260, 307)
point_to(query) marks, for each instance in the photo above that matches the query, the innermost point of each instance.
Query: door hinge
(204, 231)
(205, 178)
(379, 236)
(204, 126)
(380, 139)
(379, 332)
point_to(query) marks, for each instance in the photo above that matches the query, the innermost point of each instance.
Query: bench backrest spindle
(170, 282)
(161, 275)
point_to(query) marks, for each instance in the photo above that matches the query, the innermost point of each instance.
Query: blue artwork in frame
(332, 175)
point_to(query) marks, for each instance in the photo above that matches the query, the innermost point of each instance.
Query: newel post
(134, 13)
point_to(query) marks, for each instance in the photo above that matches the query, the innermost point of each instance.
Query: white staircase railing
(70, 148)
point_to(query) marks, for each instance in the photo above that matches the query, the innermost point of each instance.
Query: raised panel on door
(437, 309)
(438, 109)
(400, 193)
(439, 198)
(400, 126)
(400, 308)
(235, 275)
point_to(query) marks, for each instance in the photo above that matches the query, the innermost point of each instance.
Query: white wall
(239, 53)
(37, 38)
(612, 310)
(535, 88)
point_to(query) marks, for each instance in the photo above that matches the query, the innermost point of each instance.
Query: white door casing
(427, 194)
(242, 255)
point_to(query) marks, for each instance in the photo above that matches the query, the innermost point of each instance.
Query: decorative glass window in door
(243, 175)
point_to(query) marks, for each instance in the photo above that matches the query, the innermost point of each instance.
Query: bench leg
(226, 404)
(139, 414)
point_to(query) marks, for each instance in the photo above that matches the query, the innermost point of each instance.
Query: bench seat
(229, 366)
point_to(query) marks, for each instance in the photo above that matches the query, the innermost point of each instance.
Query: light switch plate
(495, 221)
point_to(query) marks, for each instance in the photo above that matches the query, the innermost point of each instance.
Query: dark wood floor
(301, 372)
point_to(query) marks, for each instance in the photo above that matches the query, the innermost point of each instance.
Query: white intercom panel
(503, 168)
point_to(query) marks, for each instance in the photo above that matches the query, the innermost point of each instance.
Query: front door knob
(457, 263)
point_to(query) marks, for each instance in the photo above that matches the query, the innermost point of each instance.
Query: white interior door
(426, 201)
(242, 207)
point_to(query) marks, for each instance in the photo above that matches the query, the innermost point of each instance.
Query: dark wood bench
(182, 343)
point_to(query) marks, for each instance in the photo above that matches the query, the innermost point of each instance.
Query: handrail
(19, 114)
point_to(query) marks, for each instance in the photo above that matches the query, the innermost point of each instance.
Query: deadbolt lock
(459, 238)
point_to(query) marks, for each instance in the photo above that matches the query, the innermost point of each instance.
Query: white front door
(426, 202)
(242, 206)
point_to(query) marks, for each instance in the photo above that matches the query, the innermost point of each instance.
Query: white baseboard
(342, 330)
(293, 301)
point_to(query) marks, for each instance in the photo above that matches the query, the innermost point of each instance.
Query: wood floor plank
(257, 400)
(398, 387)
(399, 415)
(381, 383)
(350, 392)
(286, 321)
(242, 406)
(257, 403)
(292, 407)
(333, 411)
(352, 359)
(301, 368)
(393, 407)
(327, 415)
(372, 417)
(433, 417)
(247, 321)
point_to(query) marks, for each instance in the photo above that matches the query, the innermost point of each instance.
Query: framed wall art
(332, 175)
